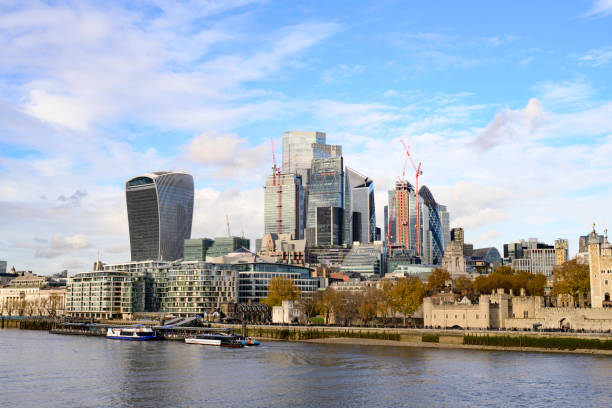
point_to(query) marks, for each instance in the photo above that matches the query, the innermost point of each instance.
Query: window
(525, 314)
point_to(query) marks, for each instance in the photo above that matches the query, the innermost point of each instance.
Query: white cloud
(599, 8)
(511, 126)
(597, 57)
(564, 93)
(61, 245)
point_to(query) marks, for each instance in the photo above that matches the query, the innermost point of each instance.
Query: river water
(38, 369)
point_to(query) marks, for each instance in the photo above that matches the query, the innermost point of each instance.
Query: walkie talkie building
(160, 213)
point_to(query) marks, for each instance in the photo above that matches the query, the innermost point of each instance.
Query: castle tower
(600, 269)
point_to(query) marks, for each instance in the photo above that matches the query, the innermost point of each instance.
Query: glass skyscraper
(299, 150)
(326, 186)
(359, 212)
(160, 214)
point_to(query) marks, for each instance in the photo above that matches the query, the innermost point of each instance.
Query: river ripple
(38, 369)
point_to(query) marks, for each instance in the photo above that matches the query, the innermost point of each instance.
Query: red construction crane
(276, 172)
(418, 172)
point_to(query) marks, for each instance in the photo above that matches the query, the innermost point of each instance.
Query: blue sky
(507, 104)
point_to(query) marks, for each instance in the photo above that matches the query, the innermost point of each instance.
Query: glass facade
(326, 186)
(359, 199)
(329, 221)
(291, 211)
(160, 213)
(299, 150)
(433, 238)
(195, 249)
(254, 279)
(224, 245)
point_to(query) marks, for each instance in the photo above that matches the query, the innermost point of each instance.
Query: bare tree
(30, 307)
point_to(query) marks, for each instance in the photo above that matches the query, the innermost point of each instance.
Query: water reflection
(39, 369)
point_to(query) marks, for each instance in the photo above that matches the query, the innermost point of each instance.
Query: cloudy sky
(508, 105)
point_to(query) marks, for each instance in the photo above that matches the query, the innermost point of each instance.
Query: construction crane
(418, 172)
(276, 181)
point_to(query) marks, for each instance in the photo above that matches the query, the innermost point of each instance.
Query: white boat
(222, 340)
(139, 333)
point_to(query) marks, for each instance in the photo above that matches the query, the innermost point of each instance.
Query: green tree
(571, 278)
(437, 279)
(279, 289)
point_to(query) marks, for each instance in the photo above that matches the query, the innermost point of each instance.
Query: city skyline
(511, 119)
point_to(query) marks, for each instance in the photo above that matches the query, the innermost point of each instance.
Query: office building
(254, 279)
(457, 235)
(583, 243)
(326, 188)
(283, 249)
(359, 211)
(490, 255)
(561, 251)
(329, 226)
(225, 245)
(432, 238)
(2, 266)
(283, 205)
(195, 249)
(160, 213)
(366, 259)
(445, 221)
(299, 150)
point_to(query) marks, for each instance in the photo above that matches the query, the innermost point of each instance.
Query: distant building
(2, 266)
(561, 251)
(198, 288)
(405, 232)
(105, 295)
(365, 259)
(600, 270)
(359, 210)
(254, 279)
(32, 301)
(300, 148)
(453, 260)
(583, 243)
(468, 249)
(160, 214)
(195, 249)
(326, 188)
(283, 249)
(490, 255)
(432, 239)
(329, 223)
(537, 260)
(289, 188)
(445, 223)
(225, 245)
(457, 235)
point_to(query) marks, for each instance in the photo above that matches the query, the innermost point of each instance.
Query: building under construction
(283, 211)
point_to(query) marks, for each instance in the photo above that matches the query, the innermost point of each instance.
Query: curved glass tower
(160, 213)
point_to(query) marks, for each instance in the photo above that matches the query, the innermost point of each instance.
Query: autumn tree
(367, 303)
(386, 300)
(329, 302)
(507, 278)
(279, 289)
(309, 304)
(407, 295)
(437, 279)
(571, 278)
(463, 283)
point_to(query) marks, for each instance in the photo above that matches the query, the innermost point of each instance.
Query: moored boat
(209, 339)
(247, 341)
(138, 333)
